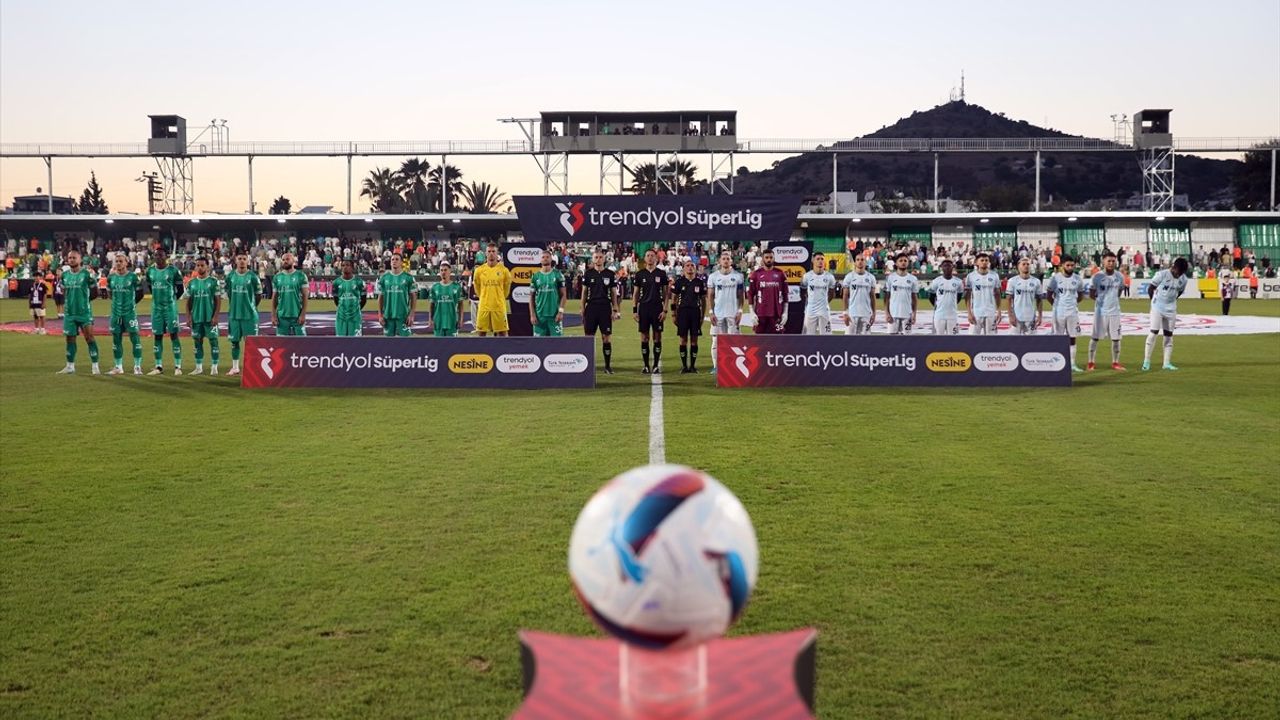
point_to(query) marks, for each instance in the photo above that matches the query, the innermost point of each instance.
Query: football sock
(117, 347)
(213, 350)
(1168, 349)
(199, 350)
(137, 347)
(71, 352)
(1151, 345)
(93, 350)
(1115, 351)
(235, 351)
(177, 350)
(608, 353)
(644, 352)
(1093, 350)
(657, 353)
(693, 357)
(158, 348)
(1072, 352)
(684, 357)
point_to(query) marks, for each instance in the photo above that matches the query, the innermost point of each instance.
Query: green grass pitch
(177, 547)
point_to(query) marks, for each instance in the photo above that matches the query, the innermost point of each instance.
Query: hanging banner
(664, 218)
(795, 258)
(418, 362)
(523, 260)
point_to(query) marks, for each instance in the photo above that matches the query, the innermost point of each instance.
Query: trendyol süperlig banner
(523, 260)
(657, 218)
(418, 362)
(961, 361)
(794, 258)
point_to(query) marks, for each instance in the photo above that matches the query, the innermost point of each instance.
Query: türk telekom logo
(272, 358)
(746, 360)
(571, 218)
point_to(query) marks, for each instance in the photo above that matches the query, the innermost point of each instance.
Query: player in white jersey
(982, 296)
(859, 298)
(1026, 309)
(945, 292)
(900, 288)
(1104, 288)
(727, 289)
(1065, 291)
(1165, 289)
(818, 285)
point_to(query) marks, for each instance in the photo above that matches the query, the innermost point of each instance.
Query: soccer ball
(663, 556)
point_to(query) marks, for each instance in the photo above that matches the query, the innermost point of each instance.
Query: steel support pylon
(1157, 178)
(178, 178)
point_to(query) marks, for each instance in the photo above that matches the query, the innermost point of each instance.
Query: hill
(1103, 179)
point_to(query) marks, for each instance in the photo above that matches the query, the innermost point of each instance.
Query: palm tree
(686, 174)
(413, 174)
(484, 198)
(383, 188)
(453, 181)
(643, 179)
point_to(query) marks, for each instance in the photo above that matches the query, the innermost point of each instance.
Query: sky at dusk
(93, 71)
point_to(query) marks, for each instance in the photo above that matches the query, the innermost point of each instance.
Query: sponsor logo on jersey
(519, 363)
(1043, 362)
(790, 254)
(948, 362)
(995, 361)
(477, 363)
(566, 363)
(530, 255)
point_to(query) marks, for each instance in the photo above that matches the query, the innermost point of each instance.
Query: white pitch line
(657, 436)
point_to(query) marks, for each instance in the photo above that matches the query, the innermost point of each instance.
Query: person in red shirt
(767, 289)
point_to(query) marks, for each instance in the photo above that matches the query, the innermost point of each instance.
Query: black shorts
(59, 299)
(650, 318)
(688, 322)
(597, 318)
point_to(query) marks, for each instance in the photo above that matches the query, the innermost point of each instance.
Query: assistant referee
(600, 304)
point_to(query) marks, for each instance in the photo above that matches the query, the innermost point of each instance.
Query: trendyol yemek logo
(571, 217)
(271, 356)
(746, 360)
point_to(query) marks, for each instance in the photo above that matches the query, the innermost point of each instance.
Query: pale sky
(373, 70)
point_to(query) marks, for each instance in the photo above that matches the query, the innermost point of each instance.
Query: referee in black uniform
(649, 308)
(600, 304)
(689, 303)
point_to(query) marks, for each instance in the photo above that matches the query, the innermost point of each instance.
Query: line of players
(686, 297)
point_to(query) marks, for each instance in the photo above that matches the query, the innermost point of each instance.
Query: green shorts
(547, 327)
(200, 331)
(71, 326)
(123, 325)
(290, 326)
(348, 327)
(164, 321)
(237, 329)
(396, 328)
(444, 332)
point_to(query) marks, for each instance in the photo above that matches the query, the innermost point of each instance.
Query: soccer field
(179, 547)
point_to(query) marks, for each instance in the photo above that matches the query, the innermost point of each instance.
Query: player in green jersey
(244, 289)
(77, 287)
(165, 282)
(446, 304)
(397, 300)
(546, 307)
(204, 300)
(349, 295)
(289, 298)
(125, 291)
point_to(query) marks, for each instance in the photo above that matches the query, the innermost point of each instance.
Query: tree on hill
(280, 206)
(1252, 180)
(91, 200)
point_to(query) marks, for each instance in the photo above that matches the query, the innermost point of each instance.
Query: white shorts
(724, 326)
(983, 326)
(900, 327)
(37, 312)
(1024, 328)
(1163, 323)
(1106, 326)
(1068, 325)
(817, 324)
(858, 326)
(946, 326)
